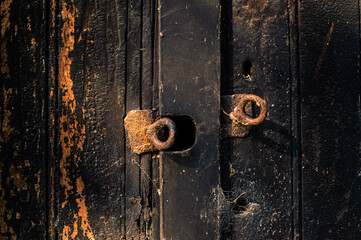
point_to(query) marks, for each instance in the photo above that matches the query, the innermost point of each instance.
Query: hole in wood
(240, 205)
(186, 133)
(247, 68)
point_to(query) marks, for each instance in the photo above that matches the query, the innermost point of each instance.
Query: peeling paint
(66, 230)
(83, 211)
(72, 133)
(6, 130)
(37, 184)
(67, 129)
(5, 25)
(19, 180)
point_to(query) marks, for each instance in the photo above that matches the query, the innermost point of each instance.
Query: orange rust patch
(37, 184)
(18, 179)
(72, 133)
(29, 23)
(66, 231)
(136, 124)
(6, 130)
(33, 43)
(67, 95)
(5, 25)
(83, 211)
(75, 227)
(53, 7)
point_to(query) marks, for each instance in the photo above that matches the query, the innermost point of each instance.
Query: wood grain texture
(147, 182)
(330, 107)
(91, 111)
(22, 116)
(133, 101)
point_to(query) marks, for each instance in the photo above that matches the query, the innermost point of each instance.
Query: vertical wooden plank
(226, 226)
(22, 113)
(133, 101)
(146, 179)
(260, 165)
(52, 72)
(189, 84)
(91, 104)
(295, 120)
(330, 108)
(155, 103)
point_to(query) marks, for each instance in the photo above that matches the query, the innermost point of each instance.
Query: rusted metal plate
(136, 124)
(145, 136)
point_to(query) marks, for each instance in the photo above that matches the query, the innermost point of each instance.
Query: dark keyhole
(186, 133)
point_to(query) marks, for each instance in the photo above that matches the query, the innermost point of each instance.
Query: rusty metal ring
(240, 114)
(153, 129)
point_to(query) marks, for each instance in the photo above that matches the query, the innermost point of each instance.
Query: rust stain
(67, 128)
(136, 124)
(72, 133)
(255, 5)
(9, 214)
(33, 43)
(83, 211)
(324, 49)
(75, 227)
(37, 184)
(5, 25)
(232, 171)
(66, 231)
(6, 129)
(53, 7)
(28, 23)
(18, 179)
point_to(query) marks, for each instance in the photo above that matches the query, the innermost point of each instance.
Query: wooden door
(72, 70)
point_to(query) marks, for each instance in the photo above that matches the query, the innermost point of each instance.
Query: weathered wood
(259, 165)
(71, 70)
(52, 71)
(133, 101)
(146, 179)
(189, 84)
(330, 107)
(91, 104)
(22, 115)
(295, 120)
